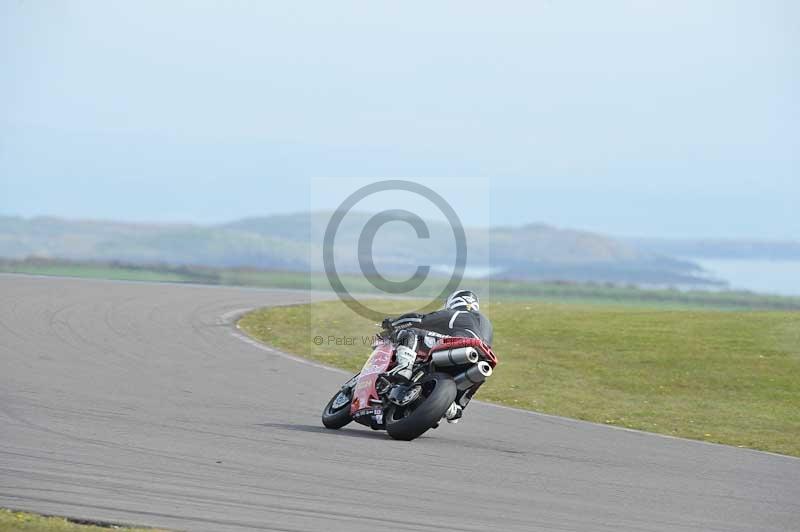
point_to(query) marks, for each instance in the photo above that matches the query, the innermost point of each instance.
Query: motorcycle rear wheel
(413, 420)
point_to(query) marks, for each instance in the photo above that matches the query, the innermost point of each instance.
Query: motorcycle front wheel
(337, 412)
(411, 421)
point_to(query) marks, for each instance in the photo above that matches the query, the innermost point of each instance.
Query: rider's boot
(405, 363)
(405, 354)
(454, 413)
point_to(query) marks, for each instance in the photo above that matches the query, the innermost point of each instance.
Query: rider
(460, 317)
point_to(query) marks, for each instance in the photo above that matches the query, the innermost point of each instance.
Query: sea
(778, 277)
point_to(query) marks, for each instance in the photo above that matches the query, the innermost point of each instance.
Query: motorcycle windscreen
(364, 394)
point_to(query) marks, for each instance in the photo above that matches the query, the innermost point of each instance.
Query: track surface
(141, 403)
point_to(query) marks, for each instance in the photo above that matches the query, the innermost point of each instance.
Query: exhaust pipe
(459, 356)
(474, 375)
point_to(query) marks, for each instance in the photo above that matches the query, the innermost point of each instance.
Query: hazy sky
(633, 118)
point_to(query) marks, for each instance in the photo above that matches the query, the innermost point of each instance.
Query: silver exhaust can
(474, 375)
(459, 356)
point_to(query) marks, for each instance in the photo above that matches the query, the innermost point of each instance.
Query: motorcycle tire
(337, 417)
(411, 421)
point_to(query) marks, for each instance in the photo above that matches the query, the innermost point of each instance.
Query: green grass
(23, 521)
(102, 272)
(726, 377)
(555, 292)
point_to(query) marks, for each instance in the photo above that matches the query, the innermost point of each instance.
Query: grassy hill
(293, 242)
(146, 243)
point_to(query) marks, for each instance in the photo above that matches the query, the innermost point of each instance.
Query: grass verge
(725, 377)
(11, 520)
(555, 291)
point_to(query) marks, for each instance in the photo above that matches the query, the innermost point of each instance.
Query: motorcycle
(451, 370)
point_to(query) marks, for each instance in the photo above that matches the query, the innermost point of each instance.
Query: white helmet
(462, 300)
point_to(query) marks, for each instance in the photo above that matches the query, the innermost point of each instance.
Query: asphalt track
(141, 403)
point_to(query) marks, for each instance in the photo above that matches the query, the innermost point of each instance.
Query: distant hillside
(147, 243)
(531, 252)
(720, 249)
(293, 242)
